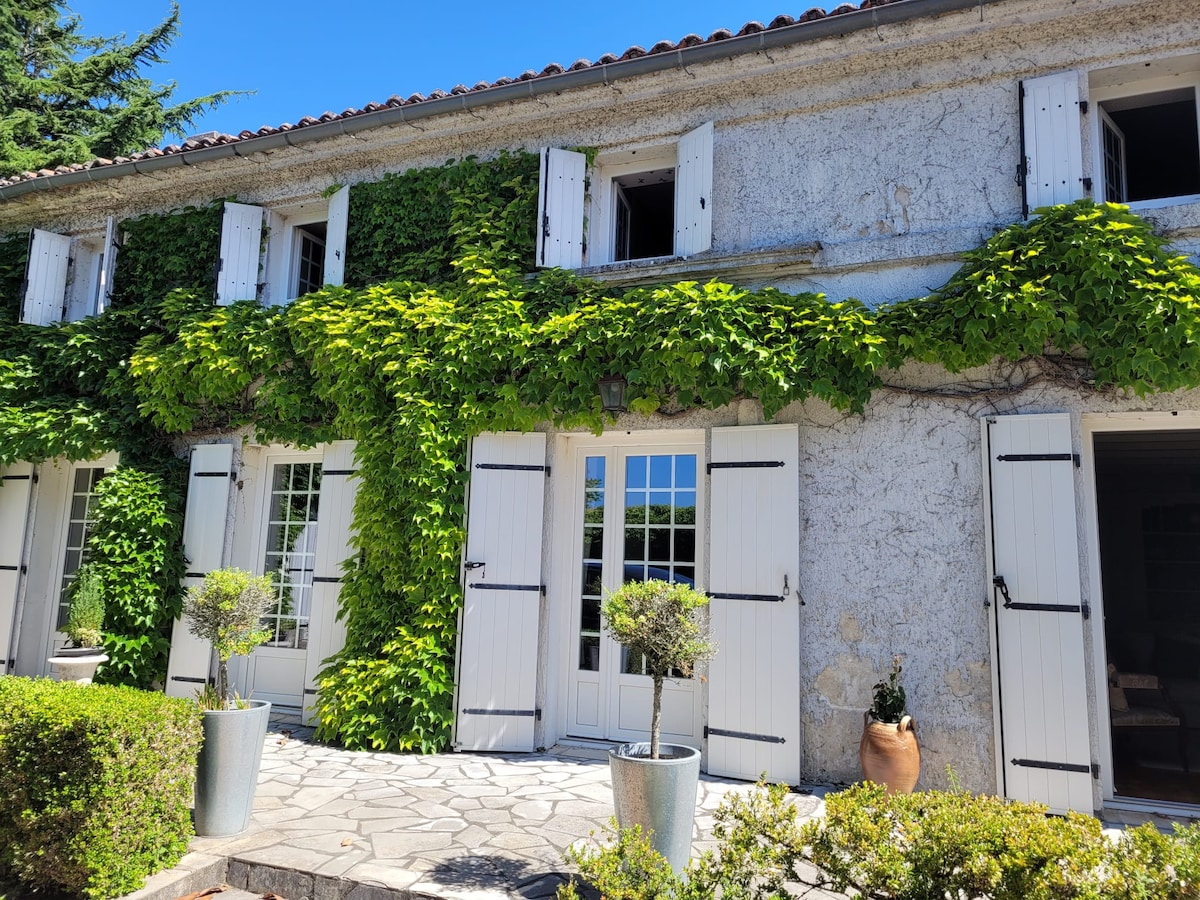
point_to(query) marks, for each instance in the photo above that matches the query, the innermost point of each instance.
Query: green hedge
(95, 785)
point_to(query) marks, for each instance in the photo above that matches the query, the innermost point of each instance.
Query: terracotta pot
(889, 755)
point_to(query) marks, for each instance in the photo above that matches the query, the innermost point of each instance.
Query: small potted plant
(84, 628)
(654, 784)
(227, 610)
(888, 752)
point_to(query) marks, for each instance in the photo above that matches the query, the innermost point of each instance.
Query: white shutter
(335, 515)
(108, 265)
(693, 192)
(1039, 628)
(754, 680)
(335, 236)
(1053, 152)
(204, 524)
(498, 635)
(241, 246)
(16, 485)
(560, 209)
(46, 278)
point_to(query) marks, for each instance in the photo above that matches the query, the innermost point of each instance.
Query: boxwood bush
(95, 785)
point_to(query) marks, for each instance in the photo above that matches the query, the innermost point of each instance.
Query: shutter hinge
(1096, 771)
(1087, 184)
(1022, 171)
(1086, 609)
(545, 225)
(1083, 107)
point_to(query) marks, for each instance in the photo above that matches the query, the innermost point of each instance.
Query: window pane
(660, 471)
(589, 653)
(685, 545)
(685, 471)
(635, 471)
(660, 544)
(590, 614)
(593, 542)
(592, 579)
(660, 508)
(685, 508)
(635, 507)
(635, 544)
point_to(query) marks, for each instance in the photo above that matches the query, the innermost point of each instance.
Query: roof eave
(605, 73)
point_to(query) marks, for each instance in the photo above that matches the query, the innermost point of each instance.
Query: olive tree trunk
(656, 717)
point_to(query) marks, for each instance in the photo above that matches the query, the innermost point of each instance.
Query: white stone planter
(78, 664)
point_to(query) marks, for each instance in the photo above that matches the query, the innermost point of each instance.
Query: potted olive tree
(227, 610)
(888, 752)
(654, 784)
(84, 628)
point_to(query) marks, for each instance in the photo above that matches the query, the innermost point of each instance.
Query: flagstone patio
(332, 824)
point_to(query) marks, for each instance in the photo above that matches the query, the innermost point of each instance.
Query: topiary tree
(227, 610)
(667, 625)
(85, 614)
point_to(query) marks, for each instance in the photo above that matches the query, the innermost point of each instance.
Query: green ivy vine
(444, 333)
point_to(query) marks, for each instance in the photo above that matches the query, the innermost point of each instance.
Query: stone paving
(331, 823)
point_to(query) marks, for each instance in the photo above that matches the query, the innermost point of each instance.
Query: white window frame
(91, 261)
(284, 242)
(602, 211)
(1127, 91)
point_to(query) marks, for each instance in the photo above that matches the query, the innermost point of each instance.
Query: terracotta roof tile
(633, 52)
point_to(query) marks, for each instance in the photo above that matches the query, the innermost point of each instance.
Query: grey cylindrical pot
(227, 770)
(658, 794)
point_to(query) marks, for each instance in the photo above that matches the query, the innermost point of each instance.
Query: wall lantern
(612, 393)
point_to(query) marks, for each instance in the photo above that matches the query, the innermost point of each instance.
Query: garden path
(332, 824)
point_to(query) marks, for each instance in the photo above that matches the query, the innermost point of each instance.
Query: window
(79, 526)
(1147, 131)
(1151, 146)
(644, 203)
(67, 277)
(290, 550)
(305, 249)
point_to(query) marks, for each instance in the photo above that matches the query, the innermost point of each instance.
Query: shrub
(226, 609)
(95, 785)
(85, 615)
(930, 845)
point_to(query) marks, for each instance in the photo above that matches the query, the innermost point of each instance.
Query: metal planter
(658, 794)
(227, 770)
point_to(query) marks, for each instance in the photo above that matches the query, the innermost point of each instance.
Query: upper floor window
(305, 249)
(638, 204)
(68, 277)
(1147, 132)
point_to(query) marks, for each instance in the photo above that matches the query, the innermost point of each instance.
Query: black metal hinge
(999, 583)
(1055, 766)
(765, 598)
(743, 735)
(513, 467)
(753, 464)
(1040, 457)
(523, 713)
(480, 586)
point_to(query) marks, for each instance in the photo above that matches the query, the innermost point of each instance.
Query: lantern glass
(612, 393)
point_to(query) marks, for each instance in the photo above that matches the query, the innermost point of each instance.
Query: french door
(638, 516)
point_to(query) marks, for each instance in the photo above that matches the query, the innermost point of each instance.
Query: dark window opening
(1155, 147)
(1148, 503)
(310, 258)
(645, 215)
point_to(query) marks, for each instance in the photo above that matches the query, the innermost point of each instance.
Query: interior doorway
(1148, 509)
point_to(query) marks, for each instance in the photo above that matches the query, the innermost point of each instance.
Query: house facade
(1022, 542)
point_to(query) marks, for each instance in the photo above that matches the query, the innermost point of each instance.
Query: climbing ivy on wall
(443, 335)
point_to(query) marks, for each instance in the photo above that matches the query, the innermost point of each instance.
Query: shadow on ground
(499, 872)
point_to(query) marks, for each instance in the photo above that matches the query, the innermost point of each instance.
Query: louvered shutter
(335, 236)
(204, 525)
(754, 680)
(108, 265)
(335, 516)
(560, 209)
(241, 246)
(46, 278)
(498, 635)
(1039, 614)
(1052, 140)
(16, 486)
(693, 192)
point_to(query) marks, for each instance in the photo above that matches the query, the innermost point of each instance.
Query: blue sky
(305, 57)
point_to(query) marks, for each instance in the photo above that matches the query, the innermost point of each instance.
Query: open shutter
(754, 680)
(1051, 133)
(693, 192)
(498, 636)
(204, 523)
(335, 236)
(335, 515)
(108, 265)
(241, 246)
(16, 486)
(46, 278)
(1039, 615)
(560, 208)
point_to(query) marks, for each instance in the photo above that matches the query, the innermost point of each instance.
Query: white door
(1044, 737)
(72, 543)
(286, 548)
(754, 680)
(496, 685)
(636, 518)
